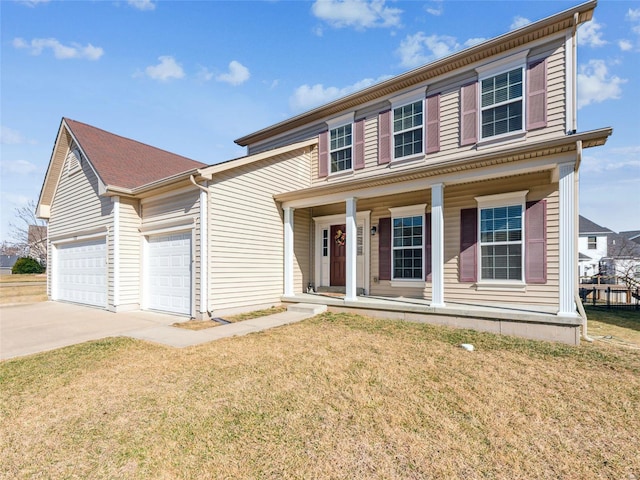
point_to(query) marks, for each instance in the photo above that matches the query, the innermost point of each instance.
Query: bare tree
(29, 233)
(623, 260)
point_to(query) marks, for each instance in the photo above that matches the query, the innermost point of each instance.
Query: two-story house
(592, 247)
(445, 194)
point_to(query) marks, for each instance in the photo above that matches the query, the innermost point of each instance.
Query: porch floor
(514, 313)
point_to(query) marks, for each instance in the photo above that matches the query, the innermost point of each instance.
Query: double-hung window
(407, 242)
(340, 148)
(407, 125)
(592, 242)
(501, 237)
(502, 103)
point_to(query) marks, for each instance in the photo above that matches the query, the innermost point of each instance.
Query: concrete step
(308, 308)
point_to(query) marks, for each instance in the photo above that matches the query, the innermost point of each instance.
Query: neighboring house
(592, 247)
(633, 235)
(446, 194)
(7, 262)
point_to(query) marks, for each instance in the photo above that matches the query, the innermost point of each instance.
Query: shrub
(27, 265)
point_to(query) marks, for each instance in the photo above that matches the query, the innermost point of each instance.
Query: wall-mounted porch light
(374, 229)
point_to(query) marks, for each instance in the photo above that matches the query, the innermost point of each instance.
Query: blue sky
(190, 77)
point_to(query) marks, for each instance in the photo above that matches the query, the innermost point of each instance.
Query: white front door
(80, 274)
(168, 276)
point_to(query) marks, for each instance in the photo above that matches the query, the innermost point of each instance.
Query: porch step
(308, 308)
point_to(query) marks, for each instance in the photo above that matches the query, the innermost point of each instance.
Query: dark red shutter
(384, 248)
(323, 154)
(537, 95)
(427, 247)
(433, 123)
(469, 114)
(535, 250)
(358, 162)
(384, 137)
(468, 262)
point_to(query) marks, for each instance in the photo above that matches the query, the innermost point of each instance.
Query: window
(501, 243)
(408, 130)
(502, 103)
(592, 242)
(407, 241)
(340, 148)
(325, 242)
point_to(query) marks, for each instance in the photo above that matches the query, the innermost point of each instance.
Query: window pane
(505, 92)
(501, 243)
(407, 247)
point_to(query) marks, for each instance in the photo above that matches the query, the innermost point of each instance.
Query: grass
(616, 326)
(336, 396)
(204, 324)
(40, 277)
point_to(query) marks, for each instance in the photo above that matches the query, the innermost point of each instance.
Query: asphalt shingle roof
(587, 226)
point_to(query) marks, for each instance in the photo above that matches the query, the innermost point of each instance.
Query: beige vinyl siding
(246, 253)
(130, 252)
(183, 206)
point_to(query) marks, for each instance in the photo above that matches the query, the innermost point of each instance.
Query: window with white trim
(408, 130)
(592, 242)
(407, 242)
(340, 148)
(501, 243)
(502, 103)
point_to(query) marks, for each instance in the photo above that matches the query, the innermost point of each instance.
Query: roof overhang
(530, 157)
(559, 22)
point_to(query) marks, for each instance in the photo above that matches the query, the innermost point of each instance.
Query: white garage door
(81, 274)
(169, 273)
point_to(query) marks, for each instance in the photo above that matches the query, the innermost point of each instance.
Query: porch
(537, 322)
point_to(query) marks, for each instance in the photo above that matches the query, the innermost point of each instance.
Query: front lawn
(336, 396)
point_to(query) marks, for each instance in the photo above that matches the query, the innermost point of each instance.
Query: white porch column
(351, 251)
(437, 245)
(288, 251)
(568, 253)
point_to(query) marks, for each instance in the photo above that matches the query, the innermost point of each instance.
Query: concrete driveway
(38, 327)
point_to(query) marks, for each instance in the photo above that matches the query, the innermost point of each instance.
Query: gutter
(115, 190)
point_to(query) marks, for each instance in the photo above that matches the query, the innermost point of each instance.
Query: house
(445, 194)
(592, 247)
(7, 262)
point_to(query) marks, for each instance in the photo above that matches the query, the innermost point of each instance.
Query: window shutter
(384, 137)
(433, 123)
(535, 250)
(359, 145)
(427, 247)
(537, 95)
(384, 248)
(467, 262)
(323, 155)
(469, 114)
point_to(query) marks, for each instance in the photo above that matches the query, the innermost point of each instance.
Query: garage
(168, 277)
(81, 273)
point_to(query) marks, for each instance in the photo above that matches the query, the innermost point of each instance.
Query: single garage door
(169, 273)
(81, 274)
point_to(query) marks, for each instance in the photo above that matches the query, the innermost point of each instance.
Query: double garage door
(82, 273)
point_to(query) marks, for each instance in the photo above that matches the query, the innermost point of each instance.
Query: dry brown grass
(40, 277)
(337, 396)
(22, 294)
(204, 324)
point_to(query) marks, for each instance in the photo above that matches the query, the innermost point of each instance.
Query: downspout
(204, 247)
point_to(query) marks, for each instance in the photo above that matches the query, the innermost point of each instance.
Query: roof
(619, 246)
(123, 162)
(8, 261)
(463, 59)
(632, 235)
(586, 226)
(582, 257)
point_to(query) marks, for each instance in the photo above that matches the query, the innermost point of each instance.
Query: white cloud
(17, 167)
(625, 45)
(436, 8)
(590, 34)
(612, 160)
(142, 4)
(633, 15)
(474, 41)
(33, 3)
(167, 69)
(359, 14)
(309, 96)
(237, 74)
(60, 51)
(596, 85)
(519, 22)
(204, 74)
(9, 136)
(419, 49)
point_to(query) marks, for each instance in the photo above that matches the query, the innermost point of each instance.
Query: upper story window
(408, 129)
(340, 148)
(502, 103)
(592, 242)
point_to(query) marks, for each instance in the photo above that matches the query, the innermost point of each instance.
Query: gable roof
(632, 235)
(586, 226)
(463, 59)
(123, 162)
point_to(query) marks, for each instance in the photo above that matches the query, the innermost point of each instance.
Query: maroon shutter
(384, 137)
(358, 162)
(323, 155)
(433, 123)
(537, 95)
(427, 247)
(535, 250)
(469, 114)
(467, 262)
(384, 248)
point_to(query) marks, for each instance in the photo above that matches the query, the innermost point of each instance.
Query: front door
(338, 252)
